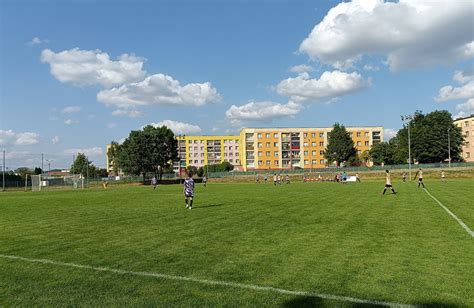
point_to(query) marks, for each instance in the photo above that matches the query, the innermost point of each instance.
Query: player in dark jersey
(188, 189)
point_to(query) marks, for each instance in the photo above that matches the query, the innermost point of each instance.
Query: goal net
(36, 182)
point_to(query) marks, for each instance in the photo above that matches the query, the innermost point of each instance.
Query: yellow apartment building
(207, 150)
(286, 148)
(467, 126)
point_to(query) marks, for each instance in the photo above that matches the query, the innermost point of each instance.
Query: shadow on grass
(312, 301)
(206, 206)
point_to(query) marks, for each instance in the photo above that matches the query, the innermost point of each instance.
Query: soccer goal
(36, 182)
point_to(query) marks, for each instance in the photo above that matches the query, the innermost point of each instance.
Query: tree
(23, 171)
(200, 172)
(340, 145)
(365, 157)
(148, 150)
(102, 172)
(382, 153)
(192, 169)
(429, 138)
(83, 166)
(38, 170)
(222, 167)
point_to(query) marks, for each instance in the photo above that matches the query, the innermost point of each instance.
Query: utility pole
(449, 148)
(3, 171)
(42, 168)
(49, 165)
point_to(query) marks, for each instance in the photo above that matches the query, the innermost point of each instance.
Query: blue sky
(78, 74)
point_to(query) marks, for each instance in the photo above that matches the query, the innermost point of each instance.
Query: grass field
(320, 238)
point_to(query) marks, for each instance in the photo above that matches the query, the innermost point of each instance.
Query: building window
(466, 124)
(359, 143)
(366, 134)
(306, 162)
(314, 162)
(313, 135)
(305, 135)
(267, 163)
(351, 133)
(313, 153)
(313, 144)
(230, 160)
(267, 144)
(367, 143)
(236, 161)
(236, 147)
(321, 135)
(259, 136)
(305, 144)
(190, 161)
(275, 153)
(260, 154)
(468, 155)
(275, 135)
(259, 144)
(195, 161)
(358, 134)
(275, 144)
(202, 161)
(195, 148)
(321, 144)
(275, 162)
(260, 162)
(321, 161)
(190, 149)
(267, 153)
(267, 135)
(467, 133)
(321, 152)
(305, 153)
(225, 148)
(230, 148)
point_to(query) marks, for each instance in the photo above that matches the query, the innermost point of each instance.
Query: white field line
(208, 282)
(469, 231)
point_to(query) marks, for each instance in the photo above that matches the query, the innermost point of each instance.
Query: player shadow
(207, 206)
(313, 301)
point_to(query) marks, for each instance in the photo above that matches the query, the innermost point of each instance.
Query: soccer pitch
(241, 245)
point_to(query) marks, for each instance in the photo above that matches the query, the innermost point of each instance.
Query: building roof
(464, 118)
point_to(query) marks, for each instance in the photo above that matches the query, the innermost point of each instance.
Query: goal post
(36, 182)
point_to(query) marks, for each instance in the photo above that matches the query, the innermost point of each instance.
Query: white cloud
(71, 109)
(55, 140)
(111, 125)
(372, 68)
(302, 68)
(409, 33)
(329, 85)
(9, 138)
(36, 41)
(159, 89)
(93, 67)
(389, 133)
(254, 111)
(465, 109)
(179, 127)
(464, 91)
(95, 151)
(71, 122)
(131, 113)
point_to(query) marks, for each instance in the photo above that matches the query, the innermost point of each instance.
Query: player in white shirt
(188, 189)
(388, 183)
(420, 178)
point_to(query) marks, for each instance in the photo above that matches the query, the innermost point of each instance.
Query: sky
(75, 75)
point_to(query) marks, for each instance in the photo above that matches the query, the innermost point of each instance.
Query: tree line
(429, 143)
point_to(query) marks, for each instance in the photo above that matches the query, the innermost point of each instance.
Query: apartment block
(467, 126)
(286, 148)
(199, 151)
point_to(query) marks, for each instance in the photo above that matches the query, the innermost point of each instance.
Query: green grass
(328, 238)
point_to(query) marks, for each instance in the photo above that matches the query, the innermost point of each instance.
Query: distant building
(467, 126)
(199, 151)
(286, 148)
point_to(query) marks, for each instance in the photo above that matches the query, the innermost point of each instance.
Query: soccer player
(388, 183)
(287, 179)
(257, 179)
(154, 182)
(443, 176)
(404, 177)
(188, 189)
(279, 179)
(204, 180)
(420, 178)
(274, 179)
(357, 177)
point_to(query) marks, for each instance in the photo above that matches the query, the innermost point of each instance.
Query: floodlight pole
(449, 148)
(3, 172)
(42, 158)
(408, 118)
